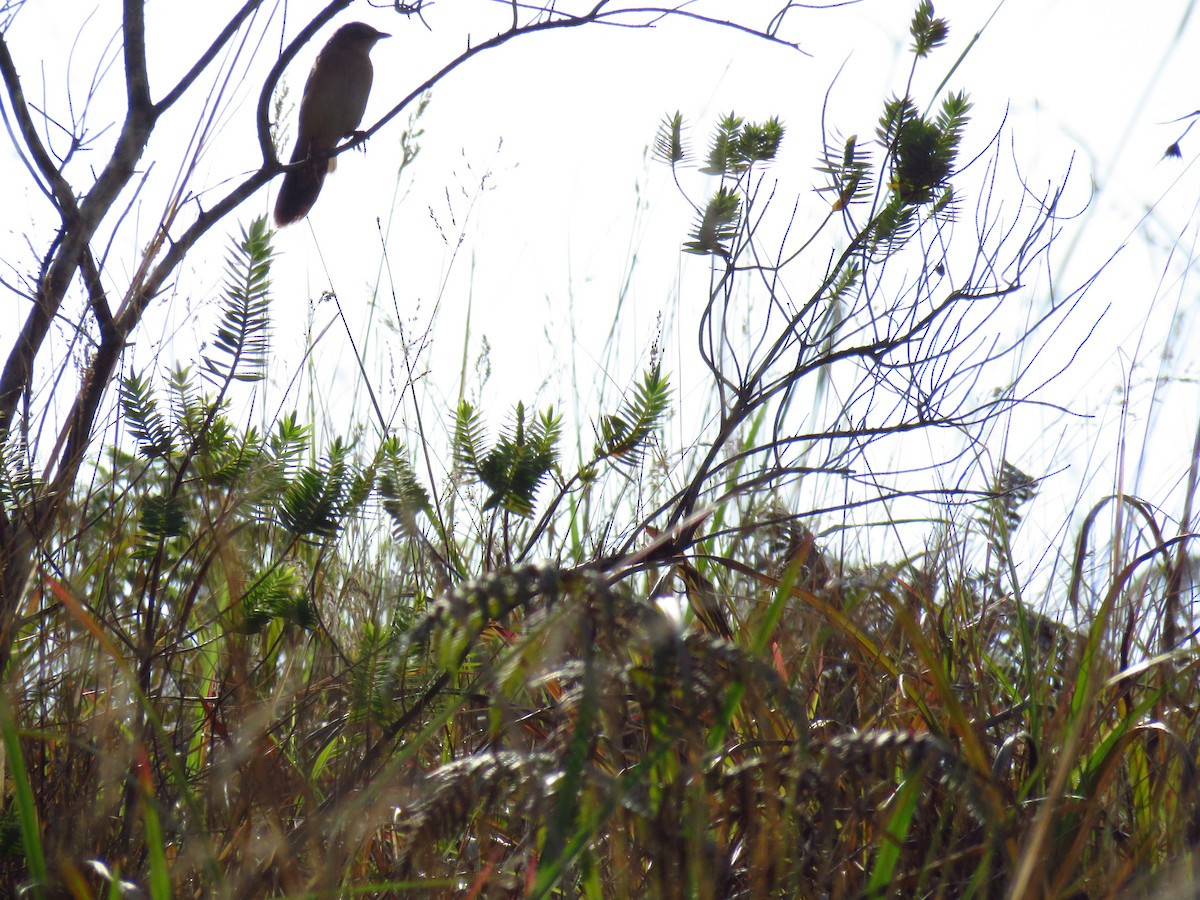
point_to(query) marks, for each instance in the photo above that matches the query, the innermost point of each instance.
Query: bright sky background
(556, 130)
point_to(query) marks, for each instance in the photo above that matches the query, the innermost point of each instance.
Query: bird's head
(359, 35)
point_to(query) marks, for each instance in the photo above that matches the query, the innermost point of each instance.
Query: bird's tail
(300, 189)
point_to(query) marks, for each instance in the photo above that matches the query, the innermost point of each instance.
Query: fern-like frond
(846, 281)
(722, 151)
(522, 459)
(147, 425)
(737, 145)
(892, 226)
(921, 163)
(163, 516)
(848, 172)
(469, 437)
(668, 142)
(546, 433)
(923, 152)
(18, 483)
(313, 504)
(757, 143)
(229, 457)
(243, 336)
(718, 224)
(290, 440)
(372, 674)
(197, 417)
(278, 593)
(896, 112)
(952, 118)
(622, 436)
(212, 437)
(927, 32)
(945, 206)
(403, 496)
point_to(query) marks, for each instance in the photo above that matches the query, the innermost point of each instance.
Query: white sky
(560, 124)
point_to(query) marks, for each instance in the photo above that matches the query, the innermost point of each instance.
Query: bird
(335, 97)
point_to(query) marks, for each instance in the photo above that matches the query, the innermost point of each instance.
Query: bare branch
(58, 190)
(230, 29)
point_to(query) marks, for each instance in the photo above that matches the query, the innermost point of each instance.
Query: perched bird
(335, 97)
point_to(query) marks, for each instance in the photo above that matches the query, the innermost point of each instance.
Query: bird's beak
(380, 35)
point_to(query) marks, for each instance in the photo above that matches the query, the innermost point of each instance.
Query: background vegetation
(770, 649)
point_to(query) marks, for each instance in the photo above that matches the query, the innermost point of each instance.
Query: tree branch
(61, 194)
(137, 79)
(207, 57)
